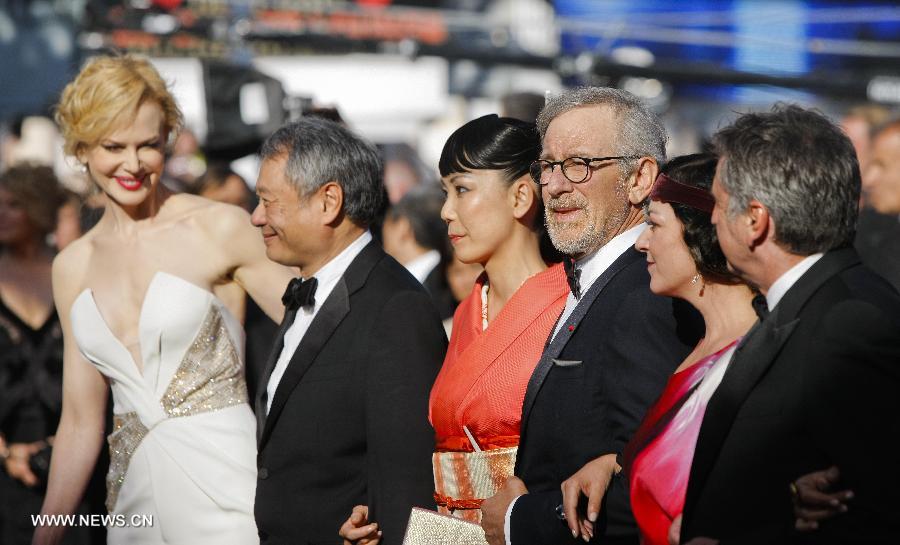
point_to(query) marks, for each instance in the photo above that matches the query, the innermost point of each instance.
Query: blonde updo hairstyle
(107, 92)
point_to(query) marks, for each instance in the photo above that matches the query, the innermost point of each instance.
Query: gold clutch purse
(432, 528)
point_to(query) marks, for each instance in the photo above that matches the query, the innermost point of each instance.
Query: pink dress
(658, 458)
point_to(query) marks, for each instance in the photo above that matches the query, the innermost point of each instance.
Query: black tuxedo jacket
(349, 421)
(816, 383)
(437, 286)
(589, 392)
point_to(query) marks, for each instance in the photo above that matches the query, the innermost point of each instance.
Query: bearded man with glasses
(615, 344)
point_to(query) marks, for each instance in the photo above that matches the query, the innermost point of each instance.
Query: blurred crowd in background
(46, 202)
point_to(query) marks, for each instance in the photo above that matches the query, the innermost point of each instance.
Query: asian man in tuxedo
(343, 403)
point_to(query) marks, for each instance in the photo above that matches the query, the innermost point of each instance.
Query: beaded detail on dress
(209, 378)
(128, 432)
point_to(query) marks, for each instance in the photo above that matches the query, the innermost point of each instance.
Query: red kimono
(482, 385)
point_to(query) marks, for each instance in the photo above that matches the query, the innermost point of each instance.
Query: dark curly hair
(698, 170)
(37, 189)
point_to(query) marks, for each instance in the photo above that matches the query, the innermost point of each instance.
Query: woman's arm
(81, 426)
(261, 277)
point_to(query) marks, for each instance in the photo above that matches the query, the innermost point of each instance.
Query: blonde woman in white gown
(137, 300)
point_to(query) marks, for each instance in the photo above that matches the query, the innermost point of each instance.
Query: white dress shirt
(595, 264)
(788, 279)
(421, 266)
(591, 267)
(327, 278)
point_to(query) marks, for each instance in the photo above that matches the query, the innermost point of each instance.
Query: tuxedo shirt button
(263, 473)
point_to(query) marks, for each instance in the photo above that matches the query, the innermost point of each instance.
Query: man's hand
(17, 464)
(592, 480)
(493, 510)
(814, 501)
(357, 530)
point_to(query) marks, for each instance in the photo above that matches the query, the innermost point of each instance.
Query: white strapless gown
(184, 446)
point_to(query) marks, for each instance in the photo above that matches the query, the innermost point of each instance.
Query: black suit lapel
(555, 346)
(333, 311)
(753, 357)
(259, 396)
(750, 361)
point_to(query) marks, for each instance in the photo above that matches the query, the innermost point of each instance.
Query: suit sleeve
(406, 353)
(533, 520)
(630, 364)
(642, 351)
(852, 380)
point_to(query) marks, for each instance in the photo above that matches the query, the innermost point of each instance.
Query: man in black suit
(615, 344)
(815, 383)
(878, 236)
(415, 235)
(343, 404)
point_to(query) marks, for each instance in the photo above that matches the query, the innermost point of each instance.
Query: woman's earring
(82, 168)
(699, 278)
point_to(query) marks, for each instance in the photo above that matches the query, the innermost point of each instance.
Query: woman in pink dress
(684, 260)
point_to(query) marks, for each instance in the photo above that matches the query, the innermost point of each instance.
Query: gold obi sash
(462, 480)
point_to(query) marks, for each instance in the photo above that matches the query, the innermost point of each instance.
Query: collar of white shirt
(327, 277)
(422, 265)
(332, 271)
(593, 265)
(788, 279)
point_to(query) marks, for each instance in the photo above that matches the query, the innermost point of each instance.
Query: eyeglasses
(575, 169)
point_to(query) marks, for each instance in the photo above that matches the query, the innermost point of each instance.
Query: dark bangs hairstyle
(499, 143)
(698, 170)
(492, 142)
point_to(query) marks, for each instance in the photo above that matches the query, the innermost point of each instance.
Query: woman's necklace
(484, 309)
(484, 299)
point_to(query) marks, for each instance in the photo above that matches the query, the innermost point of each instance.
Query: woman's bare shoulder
(219, 220)
(77, 252)
(70, 266)
(207, 211)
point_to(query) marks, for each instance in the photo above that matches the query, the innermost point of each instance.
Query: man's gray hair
(640, 131)
(319, 151)
(801, 167)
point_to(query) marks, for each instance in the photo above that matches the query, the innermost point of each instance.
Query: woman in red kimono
(494, 218)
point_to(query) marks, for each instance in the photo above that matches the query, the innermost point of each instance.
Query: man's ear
(522, 196)
(759, 223)
(331, 202)
(641, 182)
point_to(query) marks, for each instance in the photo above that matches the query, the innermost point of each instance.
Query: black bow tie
(761, 307)
(573, 276)
(300, 293)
